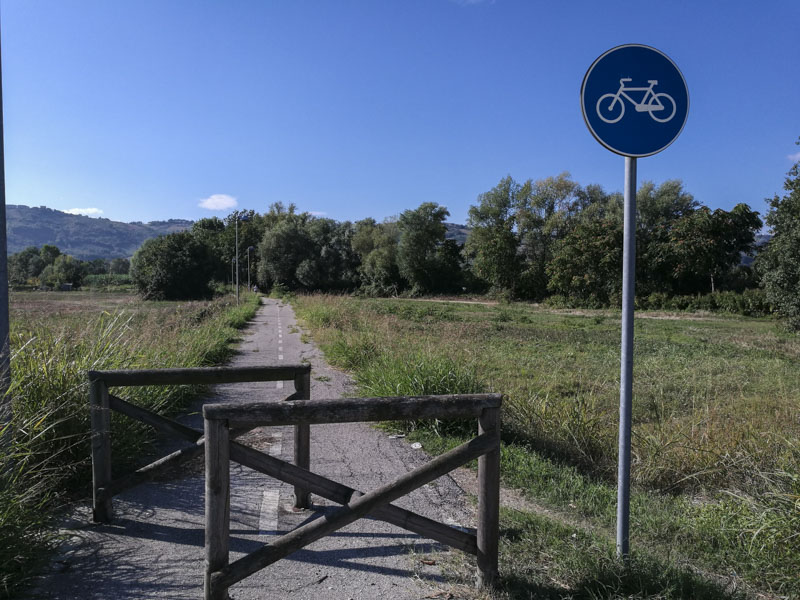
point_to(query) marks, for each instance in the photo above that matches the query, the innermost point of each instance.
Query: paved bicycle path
(154, 546)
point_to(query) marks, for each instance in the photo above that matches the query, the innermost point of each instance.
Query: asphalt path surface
(153, 548)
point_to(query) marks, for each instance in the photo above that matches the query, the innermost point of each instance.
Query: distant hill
(88, 238)
(456, 232)
(82, 237)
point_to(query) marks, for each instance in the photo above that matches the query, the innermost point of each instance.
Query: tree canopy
(779, 263)
(176, 266)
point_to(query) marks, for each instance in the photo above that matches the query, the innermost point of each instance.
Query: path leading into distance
(154, 546)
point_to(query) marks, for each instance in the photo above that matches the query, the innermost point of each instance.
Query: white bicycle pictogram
(611, 108)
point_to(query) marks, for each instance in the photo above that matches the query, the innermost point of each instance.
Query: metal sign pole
(652, 123)
(626, 360)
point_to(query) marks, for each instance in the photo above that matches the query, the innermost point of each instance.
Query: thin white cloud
(218, 202)
(472, 2)
(318, 213)
(89, 212)
(794, 157)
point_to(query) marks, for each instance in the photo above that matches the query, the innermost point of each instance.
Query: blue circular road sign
(634, 100)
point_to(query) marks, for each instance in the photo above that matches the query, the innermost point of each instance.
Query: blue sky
(150, 109)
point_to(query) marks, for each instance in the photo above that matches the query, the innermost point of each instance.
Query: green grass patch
(715, 438)
(548, 559)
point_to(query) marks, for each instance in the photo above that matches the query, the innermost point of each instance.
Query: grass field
(716, 436)
(55, 339)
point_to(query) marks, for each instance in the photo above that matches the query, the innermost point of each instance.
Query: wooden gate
(221, 419)
(104, 488)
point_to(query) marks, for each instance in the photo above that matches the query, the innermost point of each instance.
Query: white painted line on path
(280, 385)
(276, 446)
(268, 518)
(280, 356)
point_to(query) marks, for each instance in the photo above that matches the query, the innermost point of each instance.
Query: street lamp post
(236, 235)
(249, 249)
(236, 229)
(233, 264)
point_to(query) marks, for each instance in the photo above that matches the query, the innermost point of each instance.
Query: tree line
(48, 267)
(527, 241)
(538, 240)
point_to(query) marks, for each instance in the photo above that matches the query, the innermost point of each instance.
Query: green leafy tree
(706, 246)
(68, 269)
(779, 262)
(376, 246)
(25, 266)
(210, 232)
(177, 266)
(450, 260)
(98, 266)
(492, 244)
(659, 208)
(49, 253)
(545, 210)
(335, 263)
(587, 263)
(282, 250)
(119, 266)
(65, 269)
(422, 231)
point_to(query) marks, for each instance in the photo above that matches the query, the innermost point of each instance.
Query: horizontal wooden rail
(199, 375)
(353, 410)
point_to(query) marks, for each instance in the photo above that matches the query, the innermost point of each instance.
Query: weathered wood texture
(352, 410)
(100, 414)
(199, 375)
(217, 505)
(302, 440)
(101, 403)
(162, 424)
(342, 494)
(489, 500)
(221, 579)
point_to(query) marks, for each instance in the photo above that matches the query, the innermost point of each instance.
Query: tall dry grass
(47, 458)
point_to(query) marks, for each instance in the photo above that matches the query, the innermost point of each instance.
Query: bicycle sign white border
(594, 106)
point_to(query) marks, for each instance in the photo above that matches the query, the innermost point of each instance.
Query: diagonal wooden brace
(162, 424)
(342, 494)
(278, 469)
(354, 510)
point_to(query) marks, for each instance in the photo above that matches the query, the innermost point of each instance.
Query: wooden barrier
(104, 488)
(219, 450)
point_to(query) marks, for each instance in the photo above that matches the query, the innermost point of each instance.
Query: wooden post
(101, 450)
(488, 501)
(217, 505)
(302, 441)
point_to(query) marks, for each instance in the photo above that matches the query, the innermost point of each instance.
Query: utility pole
(249, 249)
(5, 346)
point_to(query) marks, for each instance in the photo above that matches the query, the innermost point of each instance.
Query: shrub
(177, 266)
